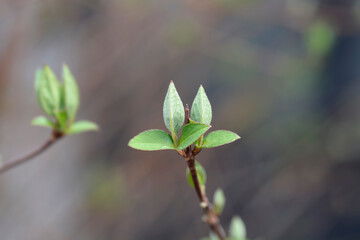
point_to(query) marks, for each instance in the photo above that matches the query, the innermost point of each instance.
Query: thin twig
(13, 163)
(211, 218)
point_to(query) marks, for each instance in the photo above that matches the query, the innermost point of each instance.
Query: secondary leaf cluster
(60, 101)
(193, 132)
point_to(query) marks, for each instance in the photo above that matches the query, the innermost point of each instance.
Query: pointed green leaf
(219, 201)
(48, 91)
(152, 140)
(218, 138)
(237, 230)
(201, 107)
(191, 132)
(43, 122)
(201, 174)
(82, 126)
(173, 111)
(43, 97)
(71, 94)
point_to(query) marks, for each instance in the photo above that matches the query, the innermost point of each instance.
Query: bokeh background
(283, 74)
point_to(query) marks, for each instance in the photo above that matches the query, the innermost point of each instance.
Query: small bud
(203, 204)
(219, 201)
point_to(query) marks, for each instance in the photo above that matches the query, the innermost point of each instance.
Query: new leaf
(191, 132)
(82, 126)
(219, 201)
(152, 140)
(201, 107)
(43, 122)
(48, 91)
(71, 94)
(237, 230)
(173, 111)
(218, 138)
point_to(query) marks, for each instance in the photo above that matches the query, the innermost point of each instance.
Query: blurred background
(283, 74)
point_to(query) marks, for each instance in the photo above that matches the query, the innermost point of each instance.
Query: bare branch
(55, 136)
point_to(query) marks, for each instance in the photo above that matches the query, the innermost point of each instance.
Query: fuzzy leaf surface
(173, 111)
(201, 108)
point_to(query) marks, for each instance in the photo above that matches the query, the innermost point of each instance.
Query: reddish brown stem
(211, 218)
(13, 163)
(191, 166)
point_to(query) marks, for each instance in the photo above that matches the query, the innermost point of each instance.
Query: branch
(211, 218)
(13, 163)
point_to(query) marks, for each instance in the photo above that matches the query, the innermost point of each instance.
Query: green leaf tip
(201, 108)
(152, 140)
(173, 111)
(191, 132)
(219, 201)
(82, 126)
(43, 122)
(201, 174)
(237, 230)
(218, 138)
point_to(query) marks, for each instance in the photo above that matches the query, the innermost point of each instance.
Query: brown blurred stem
(211, 218)
(55, 136)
